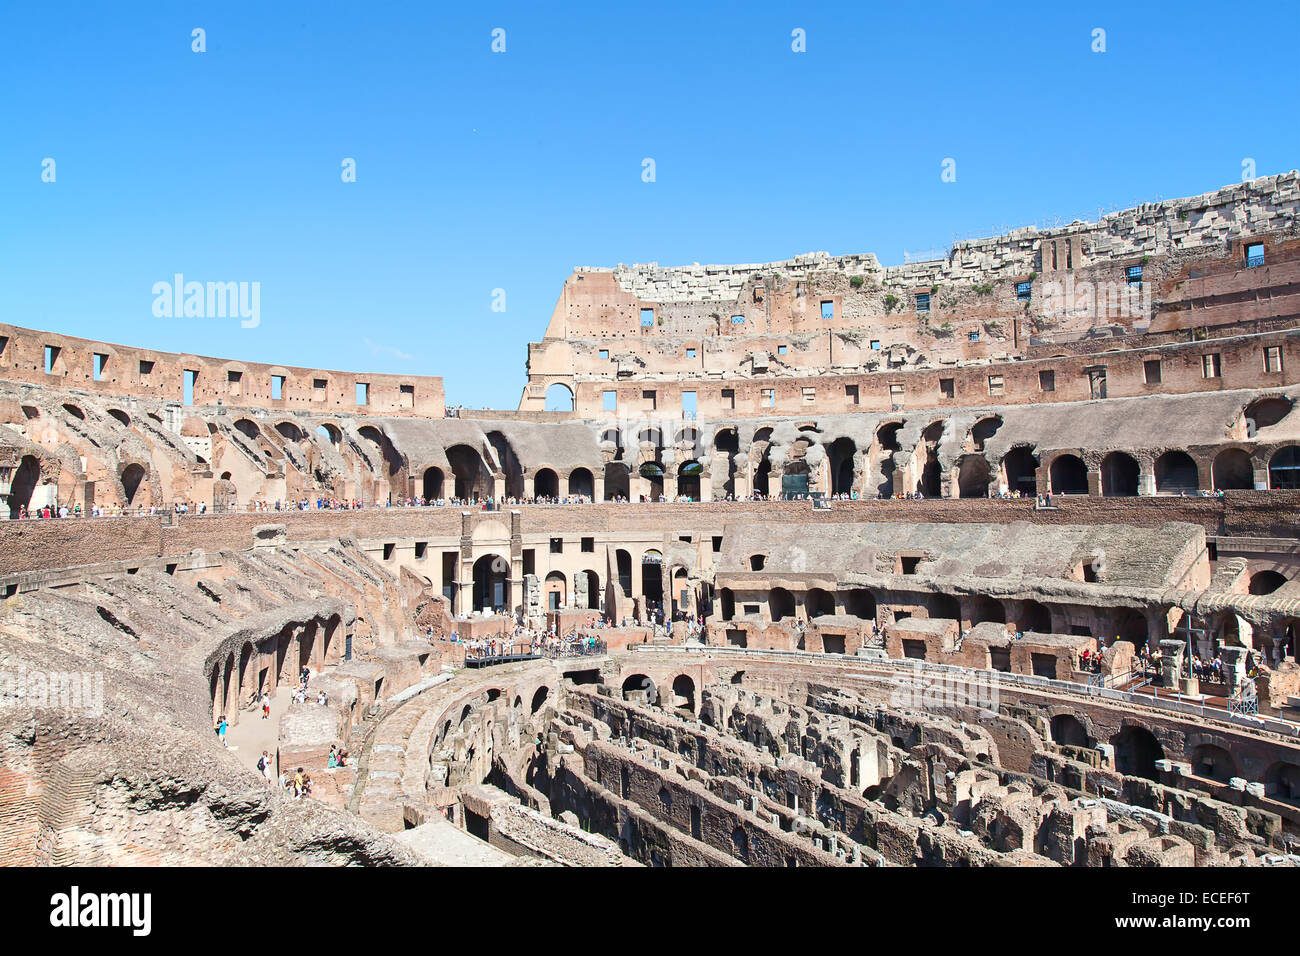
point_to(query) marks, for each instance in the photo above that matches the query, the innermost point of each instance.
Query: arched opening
(640, 684)
(652, 583)
(1213, 763)
(780, 603)
(794, 479)
(559, 398)
(1233, 469)
(653, 473)
(984, 429)
(624, 561)
(1176, 472)
(432, 483)
(819, 602)
(23, 484)
(1132, 627)
(329, 433)
(1119, 475)
(1284, 469)
(75, 411)
(681, 597)
(973, 477)
(860, 602)
(1282, 782)
(1266, 582)
(1265, 412)
(289, 431)
(728, 601)
(593, 589)
(944, 606)
(1021, 468)
(726, 447)
(688, 479)
(1035, 616)
(616, 481)
(841, 455)
(1068, 475)
(581, 483)
(472, 478)
(132, 477)
(1136, 752)
(887, 439)
(1068, 731)
(490, 582)
(684, 692)
(984, 608)
(539, 699)
(556, 587)
(120, 415)
(546, 484)
(248, 428)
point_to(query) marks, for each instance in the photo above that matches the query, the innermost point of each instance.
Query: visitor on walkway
(221, 730)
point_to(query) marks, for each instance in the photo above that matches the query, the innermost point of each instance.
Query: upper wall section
(1157, 274)
(61, 361)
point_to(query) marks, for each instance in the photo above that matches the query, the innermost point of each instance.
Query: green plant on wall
(857, 281)
(891, 301)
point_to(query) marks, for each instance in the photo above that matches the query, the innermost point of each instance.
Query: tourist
(221, 730)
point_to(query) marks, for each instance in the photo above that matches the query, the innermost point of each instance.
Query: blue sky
(479, 171)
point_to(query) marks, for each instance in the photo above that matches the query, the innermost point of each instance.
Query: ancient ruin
(987, 560)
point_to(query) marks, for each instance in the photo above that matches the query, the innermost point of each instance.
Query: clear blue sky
(478, 171)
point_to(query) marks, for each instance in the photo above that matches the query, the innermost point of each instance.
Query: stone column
(1234, 666)
(1171, 663)
(1094, 483)
(1146, 480)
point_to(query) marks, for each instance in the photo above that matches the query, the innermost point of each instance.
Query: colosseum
(986, 560)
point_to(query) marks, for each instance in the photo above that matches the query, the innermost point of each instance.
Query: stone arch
(1176, 472)
(1036, 617)
(945, 606)
(780, 603)
(582, 483)
(1266, 411)
(688, 479)
(1282, 781)
(133, 476)
(559, 398)
(330, 432)
(472, 478)
(973, 476)
(634, 683)
(1068, 731)
(684, 692)
(431, 483)
(1213, 763)
(546, 483)
(1136, 752)
(1284, 468)
(1233, 469)
(540, 697)
(556, 584)
(727, 601)
(491, 587)
(121, 416)
(1266, 582)
(841, 455)
(289, 431)
(1119, 475)
(616, 481)
(860, 602)
(984, 609)
(248, 428)
(983, 430)
(23, 485)
(1132, 626)
(1020, 467)
(1068, 475)
(819, 602)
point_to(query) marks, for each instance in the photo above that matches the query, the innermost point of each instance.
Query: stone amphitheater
(989, 560)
